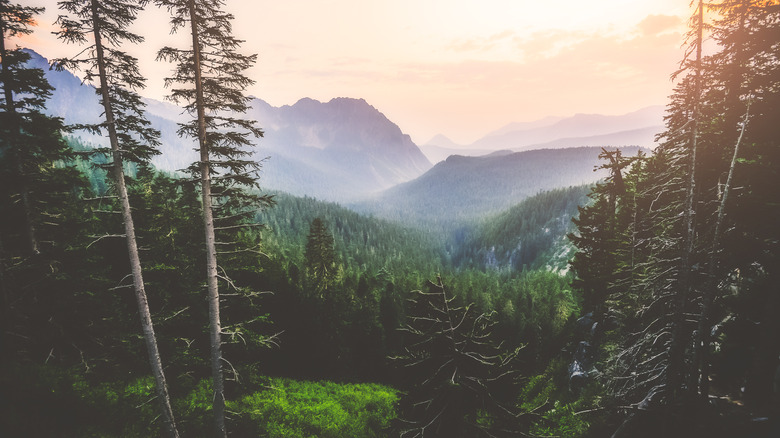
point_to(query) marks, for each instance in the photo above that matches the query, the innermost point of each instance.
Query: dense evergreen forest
(141, 303)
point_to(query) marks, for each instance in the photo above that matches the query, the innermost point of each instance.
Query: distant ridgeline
(466, 188)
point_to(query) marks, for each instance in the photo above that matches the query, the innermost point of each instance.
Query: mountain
(464, 188)
(637, 128)
(443, 141)
(524, 126)
(621, 130)
(437, 153)
(336, 150)
(634, 137)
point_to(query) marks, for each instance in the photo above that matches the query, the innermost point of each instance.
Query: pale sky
(461, 68)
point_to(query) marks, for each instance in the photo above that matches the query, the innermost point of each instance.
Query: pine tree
(742, 155)
(209, 81)
(457, 371)
(598, 238)
(320, 255)
(37, 183)
(31, 142)
(130, 136)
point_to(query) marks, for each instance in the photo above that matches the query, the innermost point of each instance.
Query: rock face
(351, 147)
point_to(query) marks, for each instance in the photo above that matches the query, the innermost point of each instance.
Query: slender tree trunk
(215, 328)
(5, 345)
(711, 285)
(11, 109)
(132, 248)
(675, 371)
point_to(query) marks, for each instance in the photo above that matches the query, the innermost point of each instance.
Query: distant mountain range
(637, 128)
(465, 188)
(335, 150)
(345, 150)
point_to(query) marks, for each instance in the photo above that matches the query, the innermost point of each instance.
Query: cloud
(552, 72)
(482, 44)
(658, 24)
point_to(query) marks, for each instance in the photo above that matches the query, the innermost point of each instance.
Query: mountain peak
(442, 141)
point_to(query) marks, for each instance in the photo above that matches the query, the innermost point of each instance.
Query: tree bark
(132, 248)
(215, 329)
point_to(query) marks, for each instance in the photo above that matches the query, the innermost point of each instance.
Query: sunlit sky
(461, 68)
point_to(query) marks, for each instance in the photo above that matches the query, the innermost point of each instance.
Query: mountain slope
(464, 188)
(529, 234)
(351, 147)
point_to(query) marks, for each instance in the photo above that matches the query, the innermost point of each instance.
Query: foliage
(289, 408)
(521, 237)
(687, 243)
(76, 405)
(560, 411)
(34, 182)
(456, 370)
(320, 256)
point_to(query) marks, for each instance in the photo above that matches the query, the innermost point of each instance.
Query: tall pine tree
(209, 81)
(116, 76)
(30, 142)
(320, 255)
(36, 182)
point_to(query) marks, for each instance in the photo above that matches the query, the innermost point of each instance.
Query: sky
(461, 68)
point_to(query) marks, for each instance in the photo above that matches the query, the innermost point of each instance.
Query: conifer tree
(457, 371)
(741, 146)
(30, 142)
(36, 180)
(209, 81)
(320, 255)
(598, 237)
(116, 77)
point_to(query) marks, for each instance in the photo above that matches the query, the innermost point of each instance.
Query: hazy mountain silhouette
(622, 130)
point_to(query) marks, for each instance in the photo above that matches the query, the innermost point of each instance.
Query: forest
(644, 305)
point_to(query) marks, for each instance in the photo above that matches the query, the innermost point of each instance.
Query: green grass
(49, 401)
(291, 408)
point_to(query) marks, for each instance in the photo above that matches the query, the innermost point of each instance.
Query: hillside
(529, 235)
(465, 188)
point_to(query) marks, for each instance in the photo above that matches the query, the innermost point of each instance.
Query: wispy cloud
(659, 24)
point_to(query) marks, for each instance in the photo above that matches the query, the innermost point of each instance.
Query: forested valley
(140, 302)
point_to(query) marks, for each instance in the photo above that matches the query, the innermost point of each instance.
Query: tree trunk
(215, 328)
(132, 248)
(675, 370)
